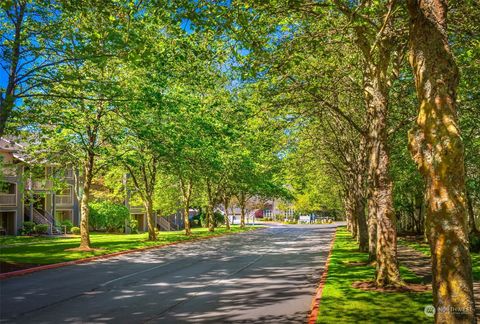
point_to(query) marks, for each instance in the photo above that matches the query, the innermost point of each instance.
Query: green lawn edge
(46, 250)
(341, 303)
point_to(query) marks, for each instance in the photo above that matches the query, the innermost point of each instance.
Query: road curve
(265, 276)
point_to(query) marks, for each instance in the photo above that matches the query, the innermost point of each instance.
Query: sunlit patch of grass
(425, 249)
(341, 303)
(47, 250)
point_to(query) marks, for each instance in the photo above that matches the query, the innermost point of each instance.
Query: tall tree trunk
(152, 236)
(362, 224)
(381, 187)
(382, 57)
(226, 203)
(372, 231)
(419, 207)
(210, 213)
(437, 148)
(243, 202)
(210, 207)
(85, 211)
(207, 217)
(350, 210)
(472, 227)
(360, 168)
(186, 195)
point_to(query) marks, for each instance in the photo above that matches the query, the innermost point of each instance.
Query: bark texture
(226, 203)
(362, 224)
(387, 272)
(350, 210)
(372, 232)
(376, 85)
(243, 201)
(382, 55)
(360, 167)
(186, 187)
(85, 211)
(210, 207)
(152, 236)
(436, 146)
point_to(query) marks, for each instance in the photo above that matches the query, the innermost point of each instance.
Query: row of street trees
(129, 87)
(348, 80)
(201, 101)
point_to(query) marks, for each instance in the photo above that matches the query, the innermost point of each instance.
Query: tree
(31, 34)
(437, 148)
(76, 122)
(108, 216)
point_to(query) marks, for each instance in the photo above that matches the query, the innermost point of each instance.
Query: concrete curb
(23, 272)
(315, 306)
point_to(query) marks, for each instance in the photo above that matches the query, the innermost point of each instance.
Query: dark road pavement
(265, 276)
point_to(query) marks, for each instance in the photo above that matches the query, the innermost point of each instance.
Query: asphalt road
(265, 276)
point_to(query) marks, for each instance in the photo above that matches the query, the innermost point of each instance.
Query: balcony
(41, 184)
(9, 170)
(63, 200)
(63, 173)
(137, 210)
(8, 199)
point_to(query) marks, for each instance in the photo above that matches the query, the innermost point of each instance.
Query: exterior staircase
(44, 217)
(166, 225)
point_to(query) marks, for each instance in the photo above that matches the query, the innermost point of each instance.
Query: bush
(218, 219)
(41, 228)
(68, 224)
(133, 224)
(196, 221)
(75, 230)
(28, 228)
(108, 216)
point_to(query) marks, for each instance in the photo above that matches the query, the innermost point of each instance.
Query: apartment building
(35, 192)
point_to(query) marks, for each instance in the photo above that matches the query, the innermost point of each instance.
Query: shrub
(28, 228)
(75, 230)
(108, 216)
(196, 221)
(41, 228)
(133, 224)
(218, 219)
(68, 224)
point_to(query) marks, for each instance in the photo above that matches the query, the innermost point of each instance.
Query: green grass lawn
(341, 303)
(47, 250)
(425, 249)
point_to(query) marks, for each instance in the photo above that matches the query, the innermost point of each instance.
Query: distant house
(162, 223)
(29, 191)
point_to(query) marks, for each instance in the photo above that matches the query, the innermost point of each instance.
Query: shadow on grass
(341, 303)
